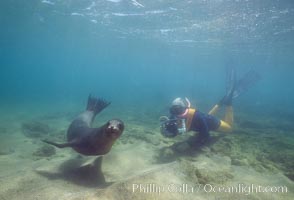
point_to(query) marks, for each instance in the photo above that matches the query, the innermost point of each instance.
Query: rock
(290, 175)
(45, 151)
(206, 176)
(182, 147)
(213, 170)
(58, 135)
(152, 139)
(149, 132)
(166, 154)
(250, 124)
(188, 170)
(35, 129)
(240, 162)
(6, 151)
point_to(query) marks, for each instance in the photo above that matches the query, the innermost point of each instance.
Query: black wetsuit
(203, 123)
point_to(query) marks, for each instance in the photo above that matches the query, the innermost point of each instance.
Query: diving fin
(247, 81)
(234, 88)
(230, 87)
(231, 81)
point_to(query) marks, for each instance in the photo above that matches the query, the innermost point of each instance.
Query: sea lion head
(114, 128)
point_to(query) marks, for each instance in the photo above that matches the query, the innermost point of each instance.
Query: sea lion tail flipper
(98, 162)
(58, 145)
(96, 104)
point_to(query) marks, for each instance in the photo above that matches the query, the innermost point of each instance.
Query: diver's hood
(179, 106)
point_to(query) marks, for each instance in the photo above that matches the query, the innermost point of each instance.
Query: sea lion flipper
(62, 145)
(96, 104)
(98, 162)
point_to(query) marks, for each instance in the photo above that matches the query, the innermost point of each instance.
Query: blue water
(145, 52)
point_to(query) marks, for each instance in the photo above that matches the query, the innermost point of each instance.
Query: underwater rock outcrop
(213, 169)
(166, 155)
(59, 135)
(6, 151)
(208, 176)
(263, 150)
(35, 129)
(249, 124)
(45, 151)
(139, 133)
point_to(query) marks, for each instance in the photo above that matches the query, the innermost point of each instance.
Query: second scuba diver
(184, 118)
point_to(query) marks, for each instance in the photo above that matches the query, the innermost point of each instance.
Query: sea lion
(91, 141)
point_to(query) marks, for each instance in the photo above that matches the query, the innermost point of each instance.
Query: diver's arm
(214, 110)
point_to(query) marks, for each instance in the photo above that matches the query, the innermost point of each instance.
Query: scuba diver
(184, 118)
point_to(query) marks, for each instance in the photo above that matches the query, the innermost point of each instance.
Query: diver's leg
(229, 115)
(227, 124)
(227, 99)
(224, 127)
(214, 110)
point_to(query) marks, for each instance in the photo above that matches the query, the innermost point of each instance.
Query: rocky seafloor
(143, 164)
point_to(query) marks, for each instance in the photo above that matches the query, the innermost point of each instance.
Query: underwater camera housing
(172, 127)
(169, 128)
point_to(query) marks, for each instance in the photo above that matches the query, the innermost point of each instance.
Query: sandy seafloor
(259, 152)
